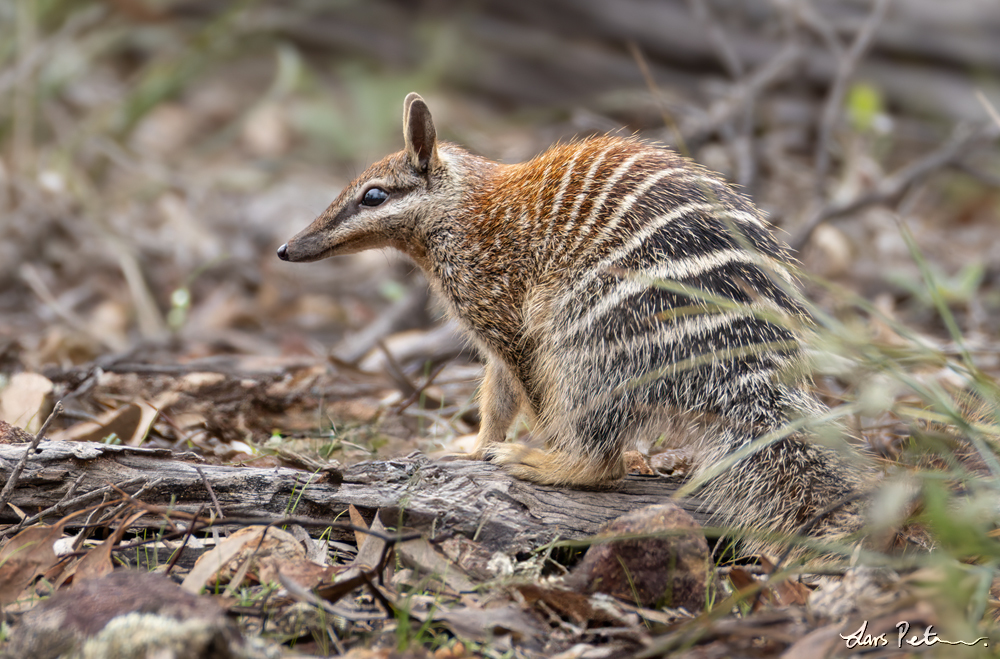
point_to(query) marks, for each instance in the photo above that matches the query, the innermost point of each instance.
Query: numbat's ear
(419, 133)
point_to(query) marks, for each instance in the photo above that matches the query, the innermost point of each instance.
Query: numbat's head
(393, 203)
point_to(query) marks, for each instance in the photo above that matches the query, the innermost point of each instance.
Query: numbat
(622, 296)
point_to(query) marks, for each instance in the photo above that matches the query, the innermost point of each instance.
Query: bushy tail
(787, 488)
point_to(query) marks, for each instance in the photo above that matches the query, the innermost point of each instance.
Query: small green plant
(406, 636)
(293, 501)
(955, 291)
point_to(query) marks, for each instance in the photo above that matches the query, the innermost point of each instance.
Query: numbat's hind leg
(556, 467)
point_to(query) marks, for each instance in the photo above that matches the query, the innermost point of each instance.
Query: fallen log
(474, 499)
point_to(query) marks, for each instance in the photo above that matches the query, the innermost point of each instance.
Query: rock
(672, 570)
(130, 615)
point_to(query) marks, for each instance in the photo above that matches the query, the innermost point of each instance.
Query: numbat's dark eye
(374, 197)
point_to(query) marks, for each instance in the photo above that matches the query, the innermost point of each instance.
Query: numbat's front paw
(508, 454)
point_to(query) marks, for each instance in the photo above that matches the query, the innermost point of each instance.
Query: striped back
(665, 280)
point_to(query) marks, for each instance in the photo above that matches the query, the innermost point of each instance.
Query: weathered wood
(474, 499)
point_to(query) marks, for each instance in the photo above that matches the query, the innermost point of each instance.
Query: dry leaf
(786, 592)
(277, 543)
(358, 521)
(472, 557)
(370, 550)
(487, 624)
(573, 606)
(420, 555)
(208, 564)
(129, 423)
(26, 402)
(24, 557)
(304, 572)
(96, 563)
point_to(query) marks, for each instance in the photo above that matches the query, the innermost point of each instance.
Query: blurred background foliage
(153, 153)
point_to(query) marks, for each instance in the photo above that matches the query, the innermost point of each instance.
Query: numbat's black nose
(283, 252)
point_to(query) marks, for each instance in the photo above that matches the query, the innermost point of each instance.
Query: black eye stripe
(374, 197)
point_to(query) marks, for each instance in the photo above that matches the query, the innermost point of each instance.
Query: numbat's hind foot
(556, 467)
(475, 456)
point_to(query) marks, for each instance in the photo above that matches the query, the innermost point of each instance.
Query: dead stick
(187, 538)
(66, 504)
(845, 71)
(893, 186)
(211, 492)
(739, 132)
(749, 87)
(806, 15)
(717, 39)
(395, 371)
(654, 91)
(138, 493)
(412, 398)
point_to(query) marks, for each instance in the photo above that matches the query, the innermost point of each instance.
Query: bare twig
(834, 101)
(989, 107)
(726, 108)
(151, 322)
(71, 492)
(395, 371)
(654, 90)
(806, 14)
(739, 135)
(988, 179)
(409, 400)
(82, 535)
(187, 538)
(148, 485)
(66, 504)
(740, 139)
(721, 44)
(172, 513)
(15, 475)
(29, 275)
(398, 316)
(211, 492)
